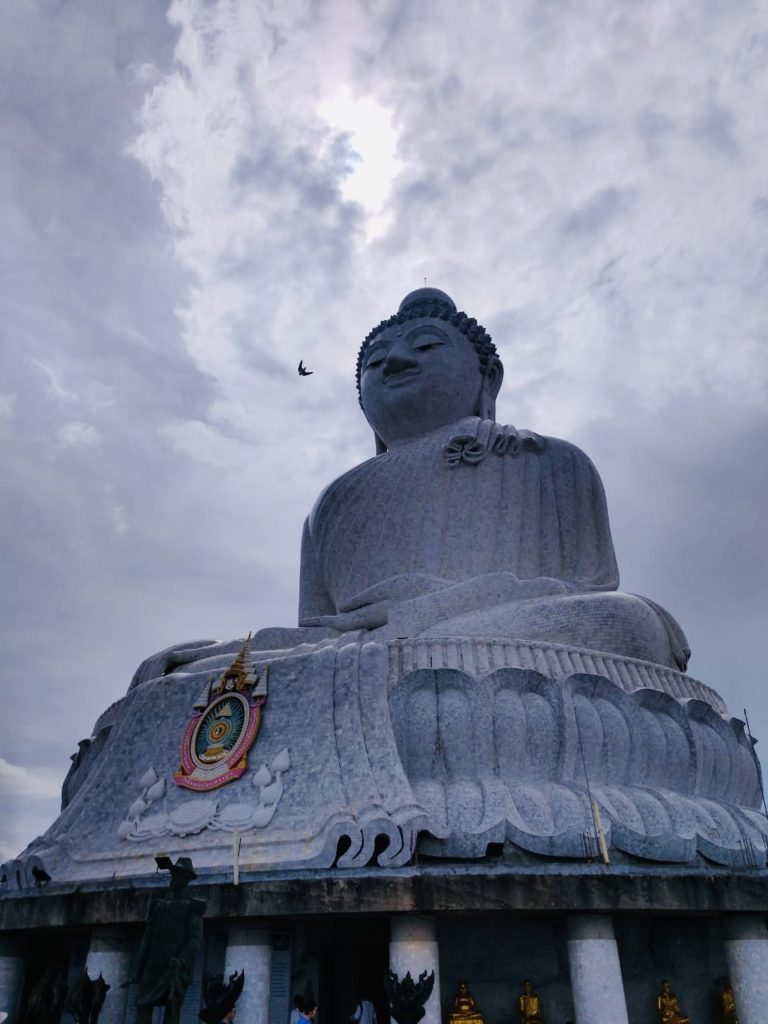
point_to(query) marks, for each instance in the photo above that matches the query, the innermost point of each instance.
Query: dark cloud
(599, 210)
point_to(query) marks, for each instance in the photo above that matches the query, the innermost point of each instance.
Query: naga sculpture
(407, 997)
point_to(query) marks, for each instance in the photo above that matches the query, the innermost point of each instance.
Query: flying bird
(303, 371)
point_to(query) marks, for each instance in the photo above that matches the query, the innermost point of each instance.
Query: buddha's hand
(369, 609)
(163, 662)
(370, 616)
(540, 586)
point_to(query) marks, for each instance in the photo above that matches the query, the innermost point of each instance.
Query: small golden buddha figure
(727, 1004)
(530, 1006)
(464, 1007)
(668, 1006)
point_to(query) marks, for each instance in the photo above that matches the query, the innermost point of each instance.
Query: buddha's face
(418, 376)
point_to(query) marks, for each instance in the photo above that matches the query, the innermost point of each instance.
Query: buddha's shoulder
(566, 455)
(505, 439)
(556, 447)
(342, 484)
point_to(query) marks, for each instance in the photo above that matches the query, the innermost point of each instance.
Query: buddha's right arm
(165, 661)
(314, 599)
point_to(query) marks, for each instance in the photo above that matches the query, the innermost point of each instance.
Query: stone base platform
(371, 754)
(479, 656)
(491, 887)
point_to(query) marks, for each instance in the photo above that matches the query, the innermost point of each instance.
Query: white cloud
(55, 388)
(373, 163)
(77, 434)
(203, 443)
(28, 783)
(119, 519)
(7, 405)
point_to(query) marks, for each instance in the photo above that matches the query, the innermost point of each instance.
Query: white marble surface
(746, 950)
(11, 980)
(250, 949)
(413, 947)
(109, 954)
(596, 983)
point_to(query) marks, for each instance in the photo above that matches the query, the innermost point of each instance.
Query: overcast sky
(196, 196)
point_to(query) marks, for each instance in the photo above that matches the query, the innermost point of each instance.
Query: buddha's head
(425, 367)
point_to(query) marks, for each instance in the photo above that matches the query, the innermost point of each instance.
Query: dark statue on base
(407, 997)
(46, 999)
(220, 997)
(169, 946)
(86, 998)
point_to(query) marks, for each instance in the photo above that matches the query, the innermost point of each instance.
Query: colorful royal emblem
(226, 719)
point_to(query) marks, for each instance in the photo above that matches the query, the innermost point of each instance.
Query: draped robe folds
(472, 501)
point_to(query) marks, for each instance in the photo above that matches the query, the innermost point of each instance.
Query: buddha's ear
(494, 375)
(492, 378)
(380, 446)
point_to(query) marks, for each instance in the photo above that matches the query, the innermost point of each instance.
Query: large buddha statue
(460, 526)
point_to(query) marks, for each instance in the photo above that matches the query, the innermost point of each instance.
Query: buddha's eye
(425, 346)
(376, 360)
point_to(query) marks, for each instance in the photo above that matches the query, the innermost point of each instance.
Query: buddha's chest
(411, 512)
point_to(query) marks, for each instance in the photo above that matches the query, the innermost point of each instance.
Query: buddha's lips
(400, 378)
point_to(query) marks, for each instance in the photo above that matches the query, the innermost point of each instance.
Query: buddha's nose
(398, 360)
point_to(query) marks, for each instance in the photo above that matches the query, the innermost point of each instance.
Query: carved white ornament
(200, 812)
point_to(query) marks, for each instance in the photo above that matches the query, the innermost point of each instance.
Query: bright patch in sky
(373, 140)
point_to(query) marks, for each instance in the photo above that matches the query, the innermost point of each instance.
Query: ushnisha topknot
(432, 302)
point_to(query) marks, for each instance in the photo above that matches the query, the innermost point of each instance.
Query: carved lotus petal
(281, 761)
(262, 776)
(138, 807)
(271, 794)
(236, 815)
(149, 778)
(124, 829)
(193, 814)
(152, 825)
(262, 816)
(156, 791)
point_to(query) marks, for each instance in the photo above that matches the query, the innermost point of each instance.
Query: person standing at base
(365, 1012)
(297, 1012)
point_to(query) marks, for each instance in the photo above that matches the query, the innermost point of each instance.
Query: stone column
(413, 947)
(11, 979)
(593, 958)
(249, 949)
(746, 951)
(109, 954)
